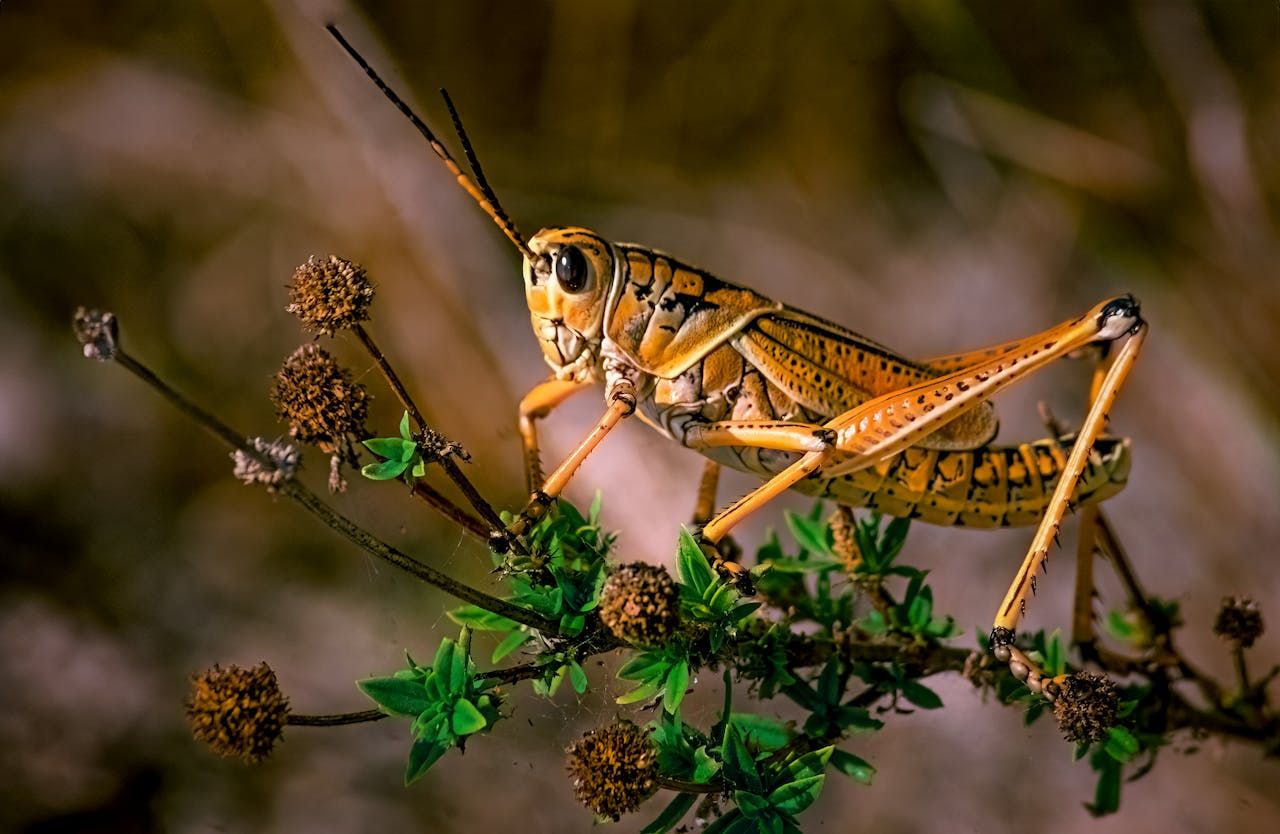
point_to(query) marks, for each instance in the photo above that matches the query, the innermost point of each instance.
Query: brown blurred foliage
(934, 173)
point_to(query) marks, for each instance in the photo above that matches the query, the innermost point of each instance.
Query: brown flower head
(319, 399)
(329, 294)
(614, 768)
(97, 332)
(640, 603)
(1239, 621)
(1087, 706)
(237, 712)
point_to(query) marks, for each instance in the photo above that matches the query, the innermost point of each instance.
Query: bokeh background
(936, 174)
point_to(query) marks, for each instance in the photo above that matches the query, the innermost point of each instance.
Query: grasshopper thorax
(567, 285)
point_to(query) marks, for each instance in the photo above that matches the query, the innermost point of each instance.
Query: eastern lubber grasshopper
(799, 401)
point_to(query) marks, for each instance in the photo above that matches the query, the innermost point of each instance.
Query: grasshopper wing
(829, 370)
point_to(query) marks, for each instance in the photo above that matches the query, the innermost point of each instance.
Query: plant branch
(434, 499)
(451, 469)
(336, 719)
(331, 517)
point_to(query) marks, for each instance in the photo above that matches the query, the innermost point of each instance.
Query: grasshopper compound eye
(572, 270)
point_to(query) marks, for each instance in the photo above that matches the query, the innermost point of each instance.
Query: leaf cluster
(446, 700)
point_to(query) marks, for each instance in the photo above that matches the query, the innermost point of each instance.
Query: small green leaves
(401, 456)
(397, 696)
(855, 767)
(480, 619)
(446, 701)
(692, 567)
(663, 672)
(739, 765)
(1121, 745)
(706, 598)
(880, 548)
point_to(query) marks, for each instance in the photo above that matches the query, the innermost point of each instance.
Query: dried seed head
(1239, 621)
(98, 332)
(237, 712)
(319, 399)
(329, 294)
(283, 457)
(1086, 707)
(640, 603)
(614, 768)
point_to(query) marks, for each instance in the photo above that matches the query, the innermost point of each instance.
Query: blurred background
(933, 173)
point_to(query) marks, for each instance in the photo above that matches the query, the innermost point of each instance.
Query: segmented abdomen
(995, 486)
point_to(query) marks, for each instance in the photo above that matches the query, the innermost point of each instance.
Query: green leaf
(384, 470)
(739, 766)
(640, 693)
(921, 695)
(577, 677)
(404, 427)
(1121, 745)
(391, 448)
(466, 718)
(1106, 798)
(442, 666)
(677, 683)
(893, 538)
(671, 815)
(1055, 659)
(704, 766)
(646, 667)
(857, 718)
(810, 535)
(752, 804)
(920, 611)
(422, 755)
(509, 644)
(396, 696)
(810, 764)
(764, 732)
(794, 797)
(480, 619)
(692, 565)
(856, 768)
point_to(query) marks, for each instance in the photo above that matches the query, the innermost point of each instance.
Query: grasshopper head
(567, 288)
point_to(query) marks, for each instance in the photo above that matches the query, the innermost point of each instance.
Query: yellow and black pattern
(667, 315)
(714, 351)
(995, 486)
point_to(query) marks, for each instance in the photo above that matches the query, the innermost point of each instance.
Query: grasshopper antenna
(481, 192)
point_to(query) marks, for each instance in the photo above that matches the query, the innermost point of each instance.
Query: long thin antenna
(482, 193)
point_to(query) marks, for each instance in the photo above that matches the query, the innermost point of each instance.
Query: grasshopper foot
(723, 556)
(1023, 667)
(532, 513)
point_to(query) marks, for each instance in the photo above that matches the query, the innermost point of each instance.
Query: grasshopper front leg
(620, 394)
(541, 400)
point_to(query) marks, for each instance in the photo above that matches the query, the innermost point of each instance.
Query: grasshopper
(798, 401)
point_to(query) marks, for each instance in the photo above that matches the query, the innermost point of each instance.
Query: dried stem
(465, 520)
(336, 720)
(333, 518)
(451, 469)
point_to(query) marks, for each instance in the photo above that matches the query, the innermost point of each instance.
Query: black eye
(572, 270)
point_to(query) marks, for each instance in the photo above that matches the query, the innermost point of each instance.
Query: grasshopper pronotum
(800, 402)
